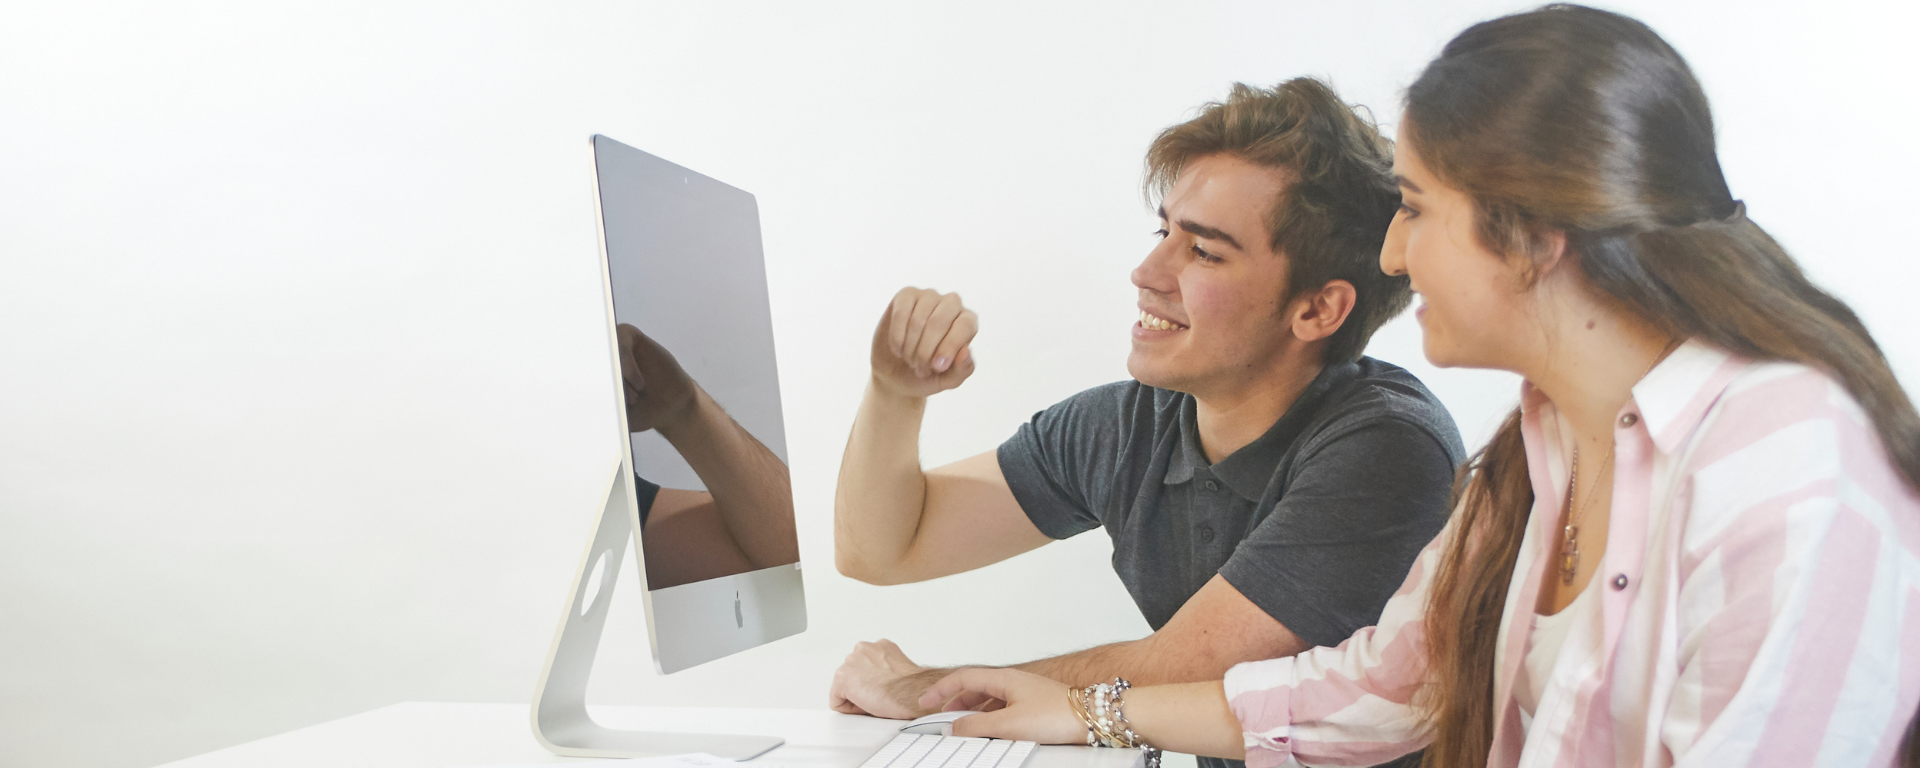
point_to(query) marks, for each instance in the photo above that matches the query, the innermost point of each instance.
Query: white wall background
(302, 404)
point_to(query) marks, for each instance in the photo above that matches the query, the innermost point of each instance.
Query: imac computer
(700, 485)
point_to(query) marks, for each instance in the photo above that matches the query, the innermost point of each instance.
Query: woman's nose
(1393, 252)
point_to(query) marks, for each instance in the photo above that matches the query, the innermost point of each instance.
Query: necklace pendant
(1569, 555)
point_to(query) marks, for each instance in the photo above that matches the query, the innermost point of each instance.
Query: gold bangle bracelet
(1076, 701)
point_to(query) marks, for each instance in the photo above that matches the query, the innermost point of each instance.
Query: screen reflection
(744, 520)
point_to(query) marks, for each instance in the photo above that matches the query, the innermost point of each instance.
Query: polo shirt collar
(1187, 456)
(1249, 471)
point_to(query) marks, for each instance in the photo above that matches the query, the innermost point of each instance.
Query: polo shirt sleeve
(1358, 510)
(643, 495)
(1060, 464)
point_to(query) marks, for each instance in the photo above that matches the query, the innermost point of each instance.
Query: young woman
(1696, 541)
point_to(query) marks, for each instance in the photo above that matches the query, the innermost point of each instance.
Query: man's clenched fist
(922, 344)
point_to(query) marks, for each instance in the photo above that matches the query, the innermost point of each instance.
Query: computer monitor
(700, 484)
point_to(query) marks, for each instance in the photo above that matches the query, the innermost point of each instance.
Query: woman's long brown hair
(1585, 122)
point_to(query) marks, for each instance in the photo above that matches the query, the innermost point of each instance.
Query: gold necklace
(1570, 532)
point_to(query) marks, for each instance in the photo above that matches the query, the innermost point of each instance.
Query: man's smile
(1153, 322)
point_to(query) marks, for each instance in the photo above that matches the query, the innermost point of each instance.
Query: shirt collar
(1249, 471)
(1674, 396)
(1187, 456)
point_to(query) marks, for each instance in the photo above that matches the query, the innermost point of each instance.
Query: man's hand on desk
(878, 679)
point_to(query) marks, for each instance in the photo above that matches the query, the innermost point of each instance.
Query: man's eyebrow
(1210, 233)
(1408, 183)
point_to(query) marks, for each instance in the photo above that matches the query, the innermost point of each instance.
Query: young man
(1266, 487)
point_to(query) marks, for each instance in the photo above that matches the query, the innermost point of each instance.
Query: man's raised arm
(894, 523)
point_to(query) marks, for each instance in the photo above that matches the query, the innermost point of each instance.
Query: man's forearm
(1102, 663)
(877, 504)
(750, 486)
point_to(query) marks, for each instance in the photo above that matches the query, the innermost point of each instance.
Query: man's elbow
(853, 567)
(850, 566)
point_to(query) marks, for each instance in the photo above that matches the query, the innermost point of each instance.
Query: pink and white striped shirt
(1760, 597)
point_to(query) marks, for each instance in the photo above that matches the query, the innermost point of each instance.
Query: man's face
(1210, 293)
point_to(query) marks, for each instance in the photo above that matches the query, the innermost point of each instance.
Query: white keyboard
(912, 750)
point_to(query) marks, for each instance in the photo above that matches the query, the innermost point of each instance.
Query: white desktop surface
(446, 735)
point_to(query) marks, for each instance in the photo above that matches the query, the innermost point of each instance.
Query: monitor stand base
(560, 719)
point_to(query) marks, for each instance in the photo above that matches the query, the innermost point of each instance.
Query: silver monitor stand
(560, 720)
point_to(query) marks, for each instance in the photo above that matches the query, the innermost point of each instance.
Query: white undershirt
(1543, 648)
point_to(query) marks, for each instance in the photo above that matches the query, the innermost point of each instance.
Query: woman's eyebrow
(1407, 183)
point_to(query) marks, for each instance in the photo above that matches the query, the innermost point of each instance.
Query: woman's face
(1474, 304)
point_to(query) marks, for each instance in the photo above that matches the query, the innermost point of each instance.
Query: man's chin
(1147, 372)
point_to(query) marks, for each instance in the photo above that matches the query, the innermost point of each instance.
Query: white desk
(441, 735)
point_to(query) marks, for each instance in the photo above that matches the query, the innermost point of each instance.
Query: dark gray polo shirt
(1317, 521)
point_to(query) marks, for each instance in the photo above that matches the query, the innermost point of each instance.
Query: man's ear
(1318, 314)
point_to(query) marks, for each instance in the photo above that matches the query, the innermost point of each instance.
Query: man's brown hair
(1332, 215)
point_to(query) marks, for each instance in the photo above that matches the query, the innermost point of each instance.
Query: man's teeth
(1153, 323)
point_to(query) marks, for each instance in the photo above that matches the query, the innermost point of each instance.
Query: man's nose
(1155, 273)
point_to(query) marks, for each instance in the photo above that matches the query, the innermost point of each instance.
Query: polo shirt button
(1619, 582)
(1206, 533)
(1212, 485)
(1629, 420)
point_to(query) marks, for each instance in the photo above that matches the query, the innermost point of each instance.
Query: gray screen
(686, 270)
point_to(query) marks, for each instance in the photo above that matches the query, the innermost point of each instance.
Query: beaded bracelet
(1100, 708)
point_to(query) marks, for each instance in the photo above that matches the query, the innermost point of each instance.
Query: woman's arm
(1191, 717)
(1346, 705)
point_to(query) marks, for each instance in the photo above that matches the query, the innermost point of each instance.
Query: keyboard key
(970, 748)
(893, 749)
(1017, 756)
(990, 756)
(909, 750)
(937, 758)
(919, 749)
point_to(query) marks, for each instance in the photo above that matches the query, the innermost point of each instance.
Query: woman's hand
(1036, 707)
